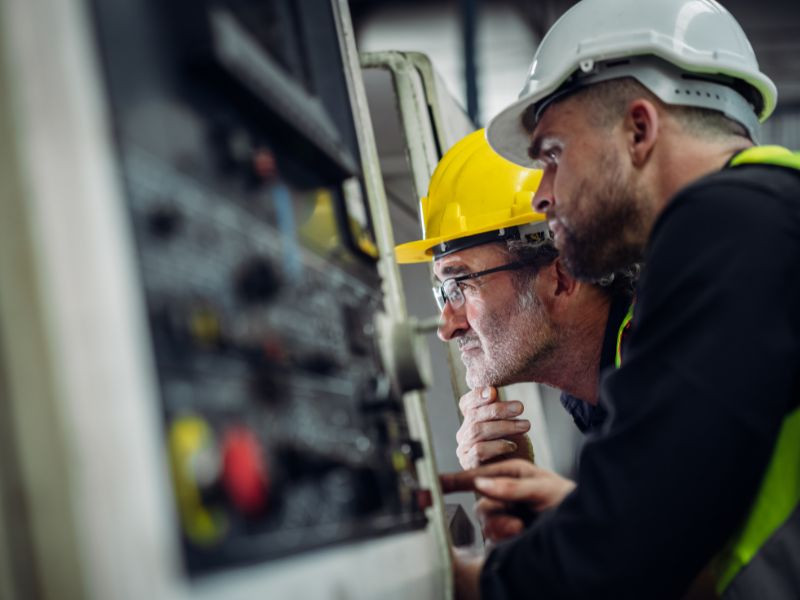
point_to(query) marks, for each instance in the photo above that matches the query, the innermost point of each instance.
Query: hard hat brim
(508, 137)
(422, 250)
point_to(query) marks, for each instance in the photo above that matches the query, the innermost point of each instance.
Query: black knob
(413, 449)
(163, 222)
(256, 281)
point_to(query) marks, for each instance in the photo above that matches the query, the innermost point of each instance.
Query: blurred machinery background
(207, 366)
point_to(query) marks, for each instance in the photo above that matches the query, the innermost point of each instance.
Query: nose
(452, 323)
(544, 199)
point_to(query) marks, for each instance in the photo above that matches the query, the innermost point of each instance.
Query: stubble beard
(513, 346)
(609, 236)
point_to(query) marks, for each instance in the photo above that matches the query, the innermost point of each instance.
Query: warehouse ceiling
(773, 27)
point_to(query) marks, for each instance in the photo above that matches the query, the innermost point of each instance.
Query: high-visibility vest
(623, 328)
(763, 558)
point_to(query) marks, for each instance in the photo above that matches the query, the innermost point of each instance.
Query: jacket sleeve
(710, 370)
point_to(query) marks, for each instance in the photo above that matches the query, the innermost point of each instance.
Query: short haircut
(607, 101)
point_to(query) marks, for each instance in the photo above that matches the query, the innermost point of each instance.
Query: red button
(244, 471)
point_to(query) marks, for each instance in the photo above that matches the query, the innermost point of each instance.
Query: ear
(554, 284)
(641, 129)
(566, 284)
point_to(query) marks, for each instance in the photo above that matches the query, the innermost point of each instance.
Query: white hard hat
(687, 52)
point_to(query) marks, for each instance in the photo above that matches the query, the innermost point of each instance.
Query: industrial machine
(207, 373)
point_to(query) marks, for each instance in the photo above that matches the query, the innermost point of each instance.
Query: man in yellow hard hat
(515, 313)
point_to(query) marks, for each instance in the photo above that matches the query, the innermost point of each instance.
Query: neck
(575, 364)
(687, 159)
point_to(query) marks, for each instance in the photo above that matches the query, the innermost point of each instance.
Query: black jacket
(711, 367)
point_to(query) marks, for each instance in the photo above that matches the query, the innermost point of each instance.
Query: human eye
(547, 153)
(550, 155)
(469, 287)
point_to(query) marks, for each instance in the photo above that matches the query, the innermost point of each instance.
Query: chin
(475, 380)
(484, 379)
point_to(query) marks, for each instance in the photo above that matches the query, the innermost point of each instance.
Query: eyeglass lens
(448, 291)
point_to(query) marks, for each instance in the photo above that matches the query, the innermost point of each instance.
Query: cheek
(476, 312)
(482, 315)
(491, 322)
(568, 182)
(561, 179)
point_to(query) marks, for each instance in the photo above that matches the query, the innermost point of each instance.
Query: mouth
(467, 346)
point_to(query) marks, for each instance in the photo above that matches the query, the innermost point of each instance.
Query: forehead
(470, 260)
(560, 119)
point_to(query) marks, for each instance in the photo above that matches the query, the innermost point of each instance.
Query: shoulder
(733, 229)
(742, 207)
(753, 198)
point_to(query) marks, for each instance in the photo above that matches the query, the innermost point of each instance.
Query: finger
(497, 523)
(491, 430)
(463, 481)
(511, 489)
(501, 527)
(487, 506)
(496, 411)
(480, 431)
(477, 397)
(480, 452)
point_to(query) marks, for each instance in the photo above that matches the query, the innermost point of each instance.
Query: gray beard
(517, 356)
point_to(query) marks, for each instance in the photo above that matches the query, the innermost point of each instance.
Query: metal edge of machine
(394, 297)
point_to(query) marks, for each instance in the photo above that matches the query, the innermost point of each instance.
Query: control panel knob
(244, 471)
(163, 222)
(256, 281)
(192, 449)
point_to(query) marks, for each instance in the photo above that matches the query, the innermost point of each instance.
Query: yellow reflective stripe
(779, 493)
(625, 321)
(767, 155)
(777, 498)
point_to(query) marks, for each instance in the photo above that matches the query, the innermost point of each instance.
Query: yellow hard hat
(474, 197)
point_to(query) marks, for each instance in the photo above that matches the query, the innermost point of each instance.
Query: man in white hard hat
(515, 313)
(657, 104)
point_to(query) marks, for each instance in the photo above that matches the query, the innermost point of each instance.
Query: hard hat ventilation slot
(697, 93)
(744, 89)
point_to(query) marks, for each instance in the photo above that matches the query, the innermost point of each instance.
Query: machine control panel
(238, 159)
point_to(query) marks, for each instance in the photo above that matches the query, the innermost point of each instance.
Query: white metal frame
(393, 293)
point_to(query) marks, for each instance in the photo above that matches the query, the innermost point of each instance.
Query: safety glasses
(450, 289)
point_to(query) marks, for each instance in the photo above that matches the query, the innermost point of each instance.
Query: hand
(490, 429)
(504, 485)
